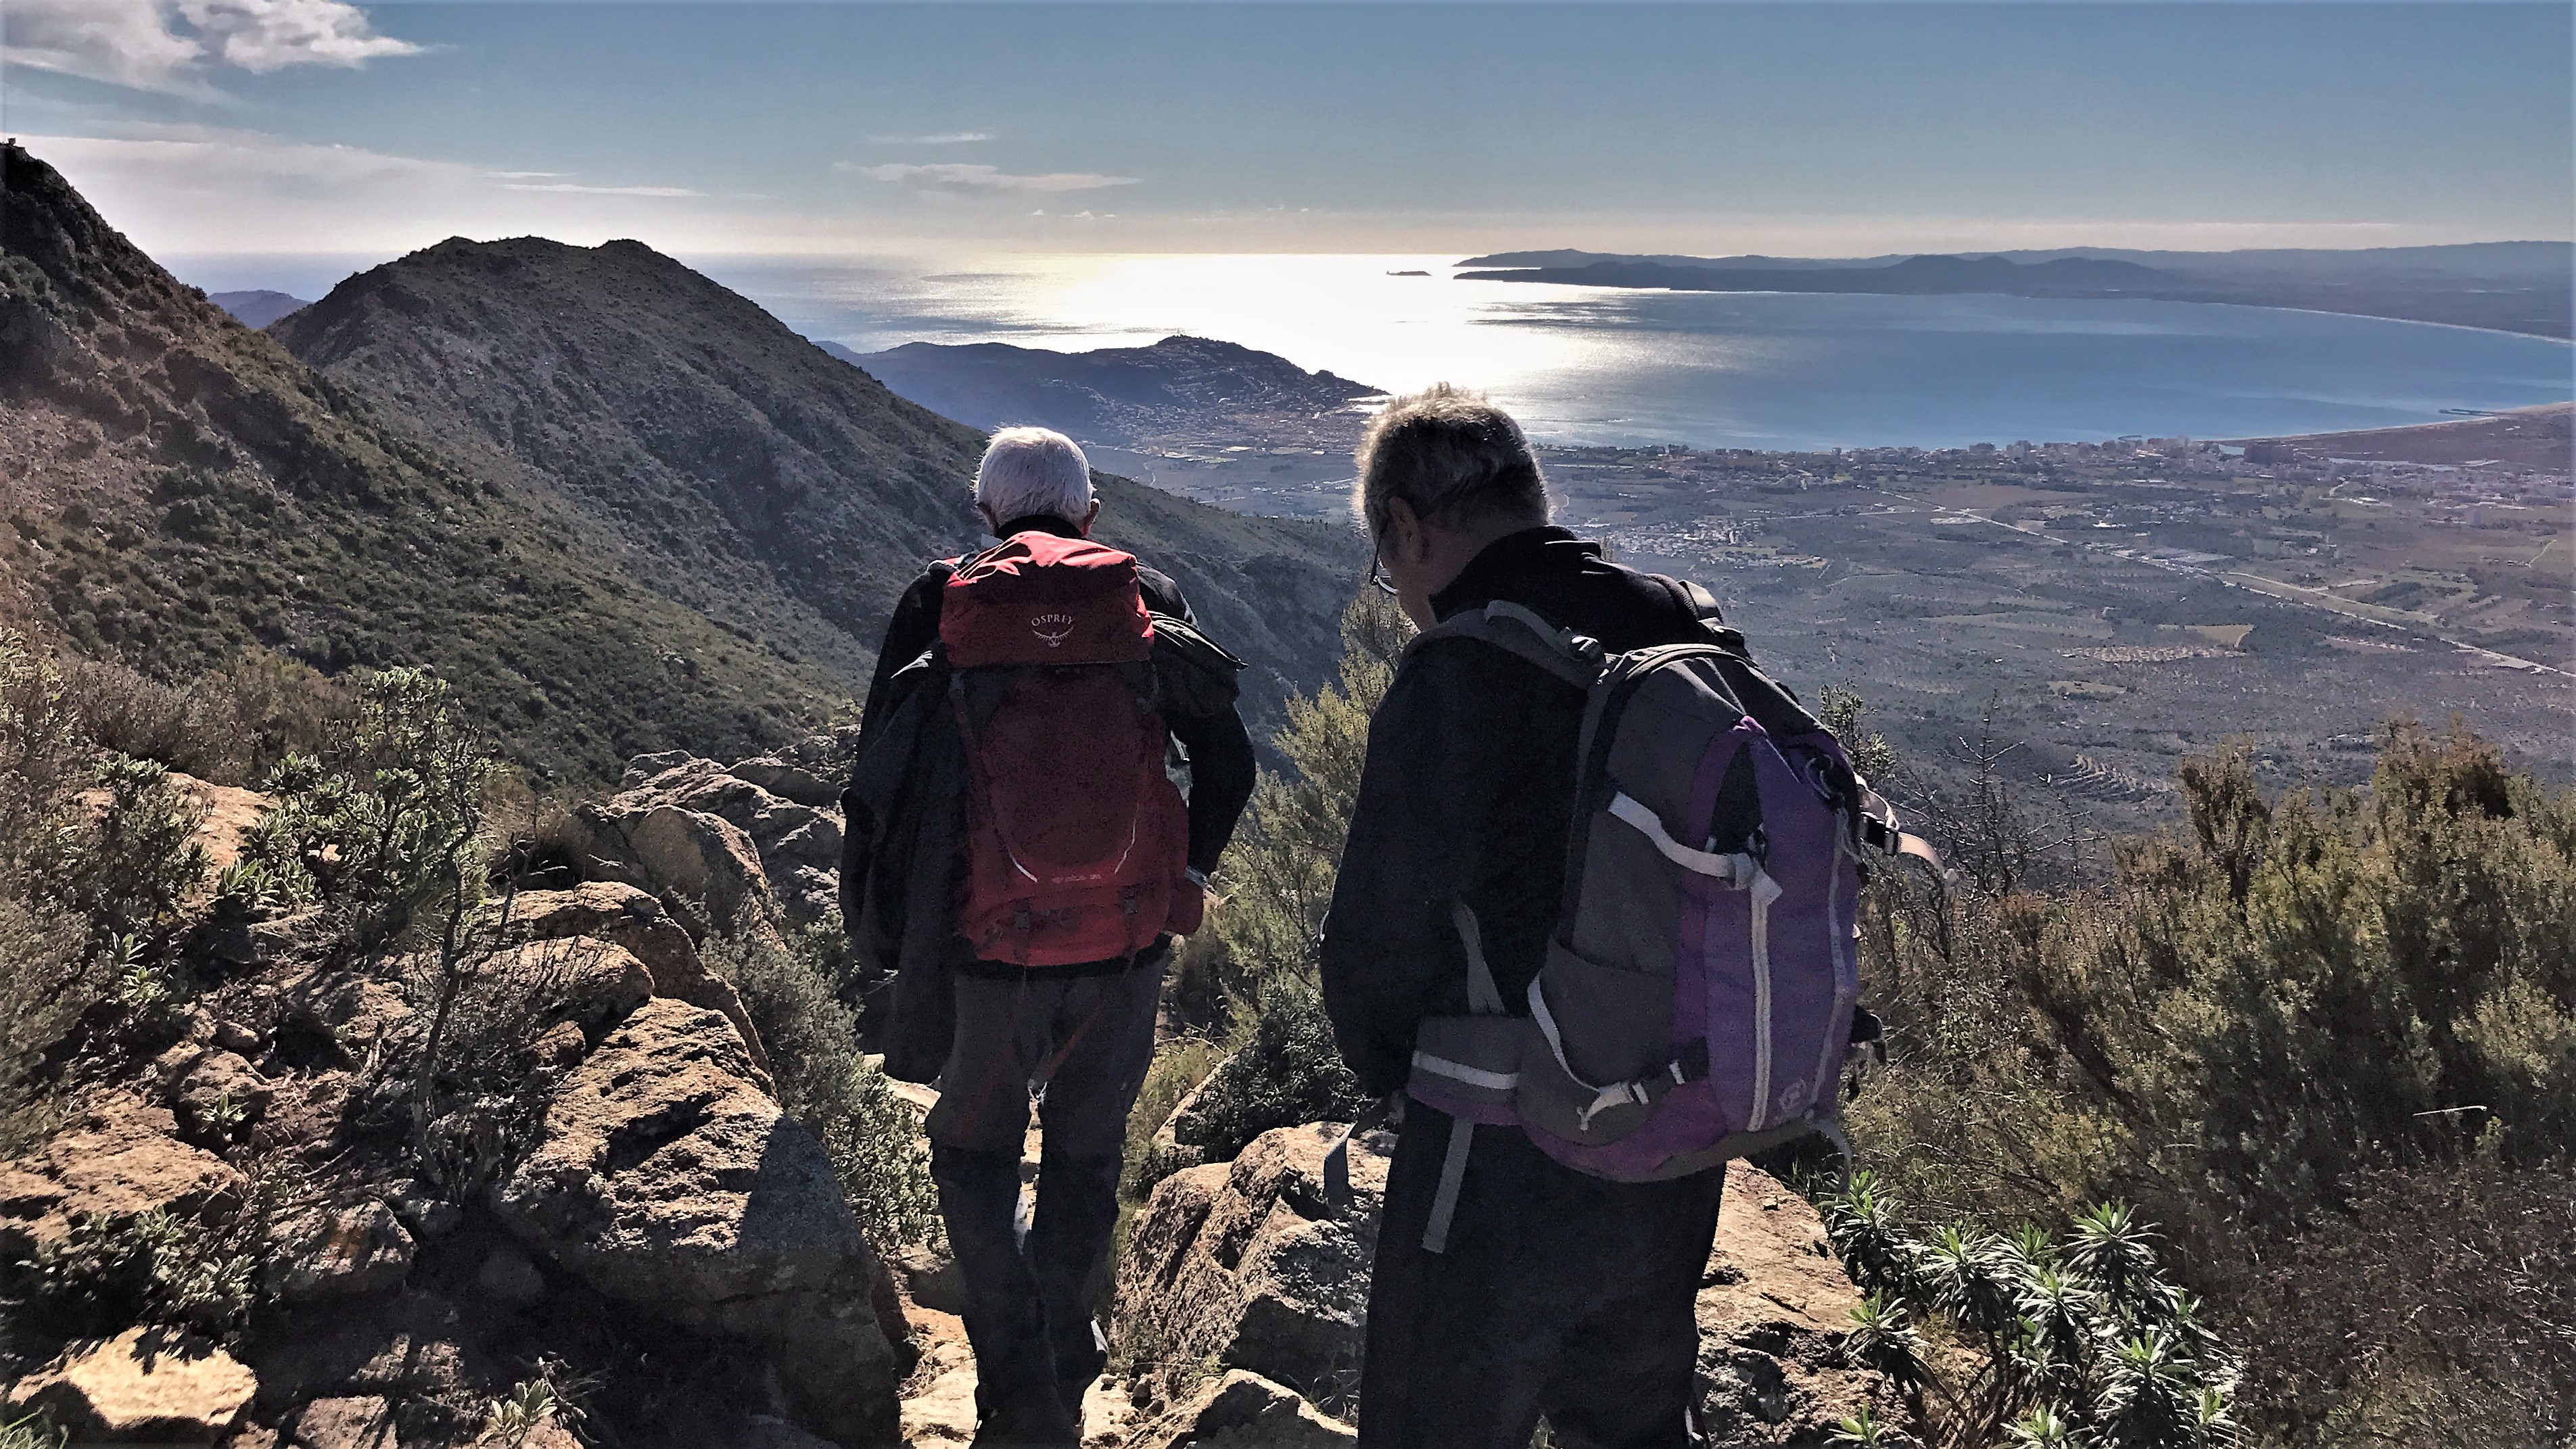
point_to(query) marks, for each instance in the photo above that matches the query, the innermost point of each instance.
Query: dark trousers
(1081, 1045)
(1558, 1294)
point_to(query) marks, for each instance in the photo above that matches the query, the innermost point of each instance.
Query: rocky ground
(660, 1242)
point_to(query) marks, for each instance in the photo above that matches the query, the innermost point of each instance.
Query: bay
(1587, 365)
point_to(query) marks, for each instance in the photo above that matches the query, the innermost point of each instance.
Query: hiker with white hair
(1050, 764)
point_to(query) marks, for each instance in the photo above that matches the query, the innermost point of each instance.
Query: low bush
(790, 990)
(383, 826)
(2079, 1341)
(1284, 1071)
(152, 1268)
(229, 725)
(2269, 1030)
(1180, 1065)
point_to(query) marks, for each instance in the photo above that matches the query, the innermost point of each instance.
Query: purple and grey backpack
(1698, 991)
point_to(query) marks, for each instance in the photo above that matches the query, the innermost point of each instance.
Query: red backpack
(1077, 839)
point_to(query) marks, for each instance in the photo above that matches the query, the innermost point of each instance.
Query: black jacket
(1221, 762)
(1468, 790)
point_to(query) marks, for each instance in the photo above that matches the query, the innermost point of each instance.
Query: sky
(262, 128)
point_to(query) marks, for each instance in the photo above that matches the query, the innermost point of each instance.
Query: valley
(2103, 610)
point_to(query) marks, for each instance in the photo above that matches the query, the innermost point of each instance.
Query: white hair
(1031, 471)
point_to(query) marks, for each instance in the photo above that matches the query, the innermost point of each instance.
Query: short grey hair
(1030, 471)
(1453, 457)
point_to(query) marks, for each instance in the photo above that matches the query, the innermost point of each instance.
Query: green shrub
(111, 1273)
(824, 1081)
(1179, 1067)
(1277, 876)
(129, 868)
(1285, 1070)
(2074, 1341)
(381, 826)
(2266, 1028)
(227, 725)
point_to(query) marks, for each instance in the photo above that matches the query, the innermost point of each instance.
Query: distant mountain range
(2508, 286)
(1113, 394)
(256, 309)
(617, 506)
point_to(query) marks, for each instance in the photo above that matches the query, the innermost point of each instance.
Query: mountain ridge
(2505, 286)
(1114, 394)
(740, 470)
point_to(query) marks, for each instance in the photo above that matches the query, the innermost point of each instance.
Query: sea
(1793, 371)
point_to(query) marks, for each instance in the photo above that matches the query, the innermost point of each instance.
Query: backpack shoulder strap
(1575, 658)
(1698, 603)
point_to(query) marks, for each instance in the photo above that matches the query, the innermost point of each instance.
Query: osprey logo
(1053, 628)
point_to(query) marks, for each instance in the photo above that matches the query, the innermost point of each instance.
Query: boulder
(588, 983)
(1242, 1261)
(661, 847)
(799, 844)
(1244, 1411)
(402, 1346)
(362, 1421)
(144, 1386)
(667, 1179)
(789, 781)
(211, 1091)
(122, 1159)
(630, 918)
(1773, 1309)
(345, 1011)
(337, 1251)
(509, 1278)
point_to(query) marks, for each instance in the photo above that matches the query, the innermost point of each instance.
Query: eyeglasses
(1377, 575)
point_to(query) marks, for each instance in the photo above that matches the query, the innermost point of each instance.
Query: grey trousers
(1082, 1042)
(1082, 1045)
(1557, 1294)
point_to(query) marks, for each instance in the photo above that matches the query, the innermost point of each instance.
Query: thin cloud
(169, 46)
(952, 175)
(577, 189)
(936, 138)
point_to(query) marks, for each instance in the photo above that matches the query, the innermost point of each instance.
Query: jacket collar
(1490, 575)
(1041, 523)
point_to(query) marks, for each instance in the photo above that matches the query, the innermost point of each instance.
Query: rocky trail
(669, 1257)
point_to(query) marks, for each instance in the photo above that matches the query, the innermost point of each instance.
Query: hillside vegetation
(618, 508)
(737, 470)
(182, 493)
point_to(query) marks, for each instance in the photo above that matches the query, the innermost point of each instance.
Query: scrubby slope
(738, 468)
(181, 488)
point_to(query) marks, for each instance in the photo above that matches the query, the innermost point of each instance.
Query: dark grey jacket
(1467, 792)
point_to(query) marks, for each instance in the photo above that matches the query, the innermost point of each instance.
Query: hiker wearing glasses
(1592, 936)
(1050, 765)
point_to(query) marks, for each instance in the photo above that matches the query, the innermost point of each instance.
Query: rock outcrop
(657, 829)
(121, 1160)
(1243, 1263)
(668, 1180)
(1244, 1411)
(144, 1386)
(634, 921)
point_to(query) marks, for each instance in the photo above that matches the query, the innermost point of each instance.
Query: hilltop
(183, 492)
(620, 507)
(1112, 394)
(2507, 286)
(734, 468)
(257, 308)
